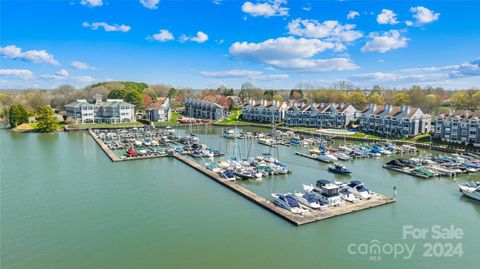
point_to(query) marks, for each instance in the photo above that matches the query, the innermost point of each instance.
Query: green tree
(459, 100)
(17, 115)
(375, 98)
(46, 121)
(357, 99)
(432, 103)
(475, 100)
(277, 97)
(296, 93)
(401, 98)
(268, 94)
(130, 96)
(172, 93)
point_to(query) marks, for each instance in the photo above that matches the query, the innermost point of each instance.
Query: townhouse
(461, 127)
(109, 111)
(158, 111)
(202, 109)
(394, 121)
(320, 115)
(264, 111)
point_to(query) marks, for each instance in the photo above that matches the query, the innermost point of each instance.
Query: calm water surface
(65, 205)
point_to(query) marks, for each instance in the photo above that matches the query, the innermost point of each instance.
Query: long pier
(311, 216)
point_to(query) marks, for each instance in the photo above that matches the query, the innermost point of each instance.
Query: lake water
(64, 204)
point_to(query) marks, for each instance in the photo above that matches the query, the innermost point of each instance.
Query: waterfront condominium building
(394, 121)
(204, 109)
(321, 115)
(462, 127)
(110, 111)
(264, 111)
(159, 110)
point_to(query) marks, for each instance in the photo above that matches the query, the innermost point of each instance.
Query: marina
(308, 215)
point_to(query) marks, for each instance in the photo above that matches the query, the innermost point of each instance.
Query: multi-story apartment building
(320, 115)
(265, 111)
(159, 111)
(110, 111)
(394, 121)
(462, 127)
(204, 109)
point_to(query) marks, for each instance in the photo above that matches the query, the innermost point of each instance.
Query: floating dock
(313, 158)
(114, 156)
(311, 216)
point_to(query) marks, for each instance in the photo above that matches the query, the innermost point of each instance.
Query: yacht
(356, 187)
(287, 201)
(309, 199)
(267, 142)
(471, 190)
(338, 168)
(326, 191)
(230, 133)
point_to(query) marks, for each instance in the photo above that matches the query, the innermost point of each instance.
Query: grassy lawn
(233, 118)
(302, 128)
(106, 125)
(173, 120)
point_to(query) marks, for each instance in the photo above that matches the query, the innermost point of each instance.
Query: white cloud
(231, 73)
(150, 4)
(280, 48)
(34, 56)
(291, 53)
(62, 73)
(422, 16)
(307, 7)
(80, 65)
(331, 30)
(107, 27)
(395, 77)
(318, 65)
(163, 36)
(437, 74)
(467, 69)
(199, 38)
(20, 73)
(91, 3)
(352, 14)
(217, 2)
(383, 42)
(266, 9)
(387, 17)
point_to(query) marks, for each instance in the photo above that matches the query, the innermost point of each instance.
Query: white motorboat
(288, 202)
(223, 164)
(170, 130)
(230, 133)
(309, 199)
(228, 174)
(358, 189)
(471, 190)
(346, 195)
(213, 167)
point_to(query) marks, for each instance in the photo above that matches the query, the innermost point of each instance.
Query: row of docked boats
(349, 152)
(437, 165)
(322, 195)
(244, 169)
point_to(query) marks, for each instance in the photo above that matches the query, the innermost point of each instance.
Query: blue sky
(273, 43)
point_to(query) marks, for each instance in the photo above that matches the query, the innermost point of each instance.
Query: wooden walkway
(309, 217)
